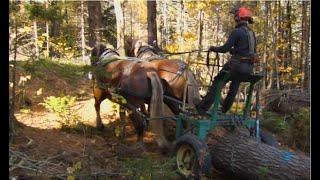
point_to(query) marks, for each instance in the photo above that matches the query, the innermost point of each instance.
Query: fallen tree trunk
(285, 101)
(243, 157)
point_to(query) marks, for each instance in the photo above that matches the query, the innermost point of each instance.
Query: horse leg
(137, 123)
(122, 114)
(99, 96)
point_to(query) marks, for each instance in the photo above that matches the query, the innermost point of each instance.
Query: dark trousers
(235, 66)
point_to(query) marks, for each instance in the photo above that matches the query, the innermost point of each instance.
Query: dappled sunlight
(84, 109)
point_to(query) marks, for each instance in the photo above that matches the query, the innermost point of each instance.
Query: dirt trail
(41, 136)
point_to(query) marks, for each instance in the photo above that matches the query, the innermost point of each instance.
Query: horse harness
(182, 66)
(107, 57)
(143, 49)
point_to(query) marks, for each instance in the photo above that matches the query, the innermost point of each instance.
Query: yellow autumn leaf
(71, 178)
(27, 29)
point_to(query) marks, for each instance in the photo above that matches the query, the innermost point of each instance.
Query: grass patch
(149, 168)
(69, 71)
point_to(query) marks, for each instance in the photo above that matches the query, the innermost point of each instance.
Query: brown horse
(137, 82)
(174, 74)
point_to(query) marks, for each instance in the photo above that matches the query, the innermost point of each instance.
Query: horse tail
(157, 109)
(192, 89)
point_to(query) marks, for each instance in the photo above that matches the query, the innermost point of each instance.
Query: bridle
(106, 53)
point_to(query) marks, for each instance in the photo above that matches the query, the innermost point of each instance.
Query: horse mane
(98, 49)
(129, 45)
(143, 48)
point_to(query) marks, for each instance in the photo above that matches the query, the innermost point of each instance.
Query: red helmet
(243, 12)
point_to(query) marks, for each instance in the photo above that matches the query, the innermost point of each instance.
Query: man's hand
(212, 48)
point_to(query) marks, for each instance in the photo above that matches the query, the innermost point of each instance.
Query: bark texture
(152, 23)
(95, 21)
(237, 154)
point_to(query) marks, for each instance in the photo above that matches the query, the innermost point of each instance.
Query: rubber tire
(267, 138)
(201, 151)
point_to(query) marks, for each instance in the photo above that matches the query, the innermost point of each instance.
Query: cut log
(237, 154)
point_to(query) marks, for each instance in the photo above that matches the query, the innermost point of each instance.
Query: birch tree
(120, 26)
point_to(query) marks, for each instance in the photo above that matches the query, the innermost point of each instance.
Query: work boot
(200, 110)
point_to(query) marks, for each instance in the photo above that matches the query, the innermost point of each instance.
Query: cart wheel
(192, 157)
(268, 138)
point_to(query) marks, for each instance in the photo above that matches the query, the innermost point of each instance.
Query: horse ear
(137, 45)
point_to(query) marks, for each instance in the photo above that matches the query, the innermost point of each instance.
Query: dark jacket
(238, 43)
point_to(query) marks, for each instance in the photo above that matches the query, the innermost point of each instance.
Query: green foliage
(59, 105)
(80, 169)
(62, 107)
(273, 122)
(69, 71)
(63, 45)
(148, 168)
(109, 23)
(237, 108)
(262, 173)
(38, 11)
(299, 122)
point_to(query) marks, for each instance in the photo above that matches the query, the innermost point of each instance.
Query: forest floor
(42, 147)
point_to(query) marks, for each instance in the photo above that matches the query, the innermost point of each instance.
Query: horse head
(96, 52)
(100, 50)
(147, 51)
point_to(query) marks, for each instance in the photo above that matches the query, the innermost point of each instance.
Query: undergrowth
(147, 168)
(293, 129)
(70, 71)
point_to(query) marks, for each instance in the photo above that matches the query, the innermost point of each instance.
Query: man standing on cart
(242, 46)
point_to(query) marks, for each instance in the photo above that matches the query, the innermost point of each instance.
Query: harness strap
(182, 68)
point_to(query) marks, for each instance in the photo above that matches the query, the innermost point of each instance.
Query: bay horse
(136, 81)
(174, 74)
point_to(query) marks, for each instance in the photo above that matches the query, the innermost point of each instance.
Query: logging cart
(193, 158)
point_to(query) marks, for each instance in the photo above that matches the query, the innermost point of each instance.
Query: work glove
(212, 48)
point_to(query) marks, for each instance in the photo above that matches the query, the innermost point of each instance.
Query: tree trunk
(47, 33)
(303, 41)
(275, 37)
(201, 15)
(152, 23)
(13, 123)
(179, 24)
(120, 26)
(95, 22)
(306, 81)
(165, 22)
(238, 155)
(35, 29)
(55, 26)
(82, 32)
(289, 35)
(266, 27)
